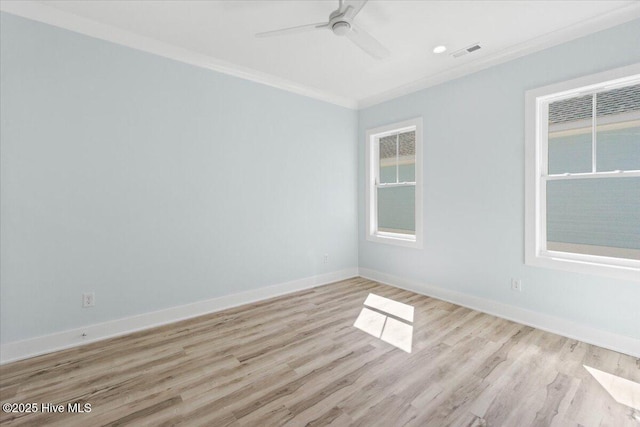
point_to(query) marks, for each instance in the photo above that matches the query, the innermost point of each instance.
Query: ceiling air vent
(466, 50)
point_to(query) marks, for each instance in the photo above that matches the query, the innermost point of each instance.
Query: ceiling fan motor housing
(341, 28)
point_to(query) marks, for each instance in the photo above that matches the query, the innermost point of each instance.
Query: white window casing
(373, 183)
(537, 175)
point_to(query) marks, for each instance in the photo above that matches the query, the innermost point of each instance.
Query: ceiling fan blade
(366, 42)
(352, 7)
(294, 30)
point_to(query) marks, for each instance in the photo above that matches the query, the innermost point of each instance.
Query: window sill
(395, 239)
(555, 260)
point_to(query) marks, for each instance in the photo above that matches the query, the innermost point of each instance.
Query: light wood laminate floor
(297, 360)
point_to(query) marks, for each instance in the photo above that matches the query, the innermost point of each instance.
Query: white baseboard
(23, 349)
(546, 322)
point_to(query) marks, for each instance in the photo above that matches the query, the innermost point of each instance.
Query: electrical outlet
(516, 285)
(88, 299)
(325, 258)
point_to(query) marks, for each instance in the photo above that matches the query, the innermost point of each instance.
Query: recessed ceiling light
(439, 49)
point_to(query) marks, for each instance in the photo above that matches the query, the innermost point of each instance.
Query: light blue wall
(155, 183)
(474, 187)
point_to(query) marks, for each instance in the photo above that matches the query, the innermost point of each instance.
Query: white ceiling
(327, 66)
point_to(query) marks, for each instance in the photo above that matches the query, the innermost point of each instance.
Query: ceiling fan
(341, 24)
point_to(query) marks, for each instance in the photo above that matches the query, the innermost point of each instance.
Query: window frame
(373, 136)
(536, 161)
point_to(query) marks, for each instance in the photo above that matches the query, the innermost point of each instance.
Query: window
(394, 184)
(583, 175)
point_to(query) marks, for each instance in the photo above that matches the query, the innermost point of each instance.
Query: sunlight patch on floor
(621, 389)
(394, 308)
(371, 322)
(387, 320)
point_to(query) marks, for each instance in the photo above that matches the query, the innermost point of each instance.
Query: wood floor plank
(555, 391)
(297, 360)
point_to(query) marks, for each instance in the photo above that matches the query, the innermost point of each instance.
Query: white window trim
(536, 253)
(371, 195)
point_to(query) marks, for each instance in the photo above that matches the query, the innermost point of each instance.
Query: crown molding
(581, 29)
(40, 12)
